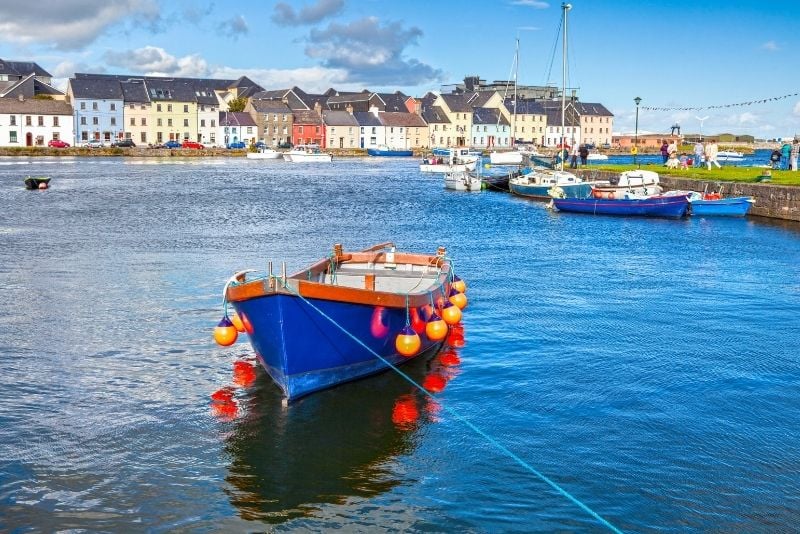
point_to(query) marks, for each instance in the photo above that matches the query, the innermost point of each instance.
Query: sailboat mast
(566, 7)
(514, 116)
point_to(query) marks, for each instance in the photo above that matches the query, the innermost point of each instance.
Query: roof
(96, 88)
(479, 99)
(394, 101)
(525, 107)
(434, 114)
(393, 118)
(571, 117)
(587, 108)
(367, 118)
(35, 106)
(235, 118)
(457, 103)
(339, 118)
(309, 116)
(22, 68)
(488, 116)
(350, 97)
(270, 106)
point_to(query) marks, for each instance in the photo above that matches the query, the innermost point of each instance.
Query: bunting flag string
(720, 106)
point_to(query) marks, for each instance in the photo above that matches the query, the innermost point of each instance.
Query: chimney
(21, 97)
(349, 109)
(317, 107)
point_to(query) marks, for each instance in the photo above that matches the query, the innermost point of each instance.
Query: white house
(371, 130)
(235, 127)
(35, 122)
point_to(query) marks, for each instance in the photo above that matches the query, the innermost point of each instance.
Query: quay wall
(774, 201)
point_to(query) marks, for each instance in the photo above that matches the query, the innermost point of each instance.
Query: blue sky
(671, 54)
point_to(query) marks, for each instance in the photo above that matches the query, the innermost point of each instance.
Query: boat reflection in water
(289, 462)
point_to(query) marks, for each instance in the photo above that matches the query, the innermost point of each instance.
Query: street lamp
(636, 134)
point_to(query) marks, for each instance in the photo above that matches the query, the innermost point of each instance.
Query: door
(28, 139)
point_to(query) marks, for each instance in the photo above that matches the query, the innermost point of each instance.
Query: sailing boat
(539, 182)
(512, 157)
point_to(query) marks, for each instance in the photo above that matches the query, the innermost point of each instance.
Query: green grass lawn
(727, 174)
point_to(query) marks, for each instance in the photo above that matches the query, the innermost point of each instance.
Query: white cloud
(771, 46)
(311, 79)
(537, 4)
(69, 24)
(155, 61)
(796, 109)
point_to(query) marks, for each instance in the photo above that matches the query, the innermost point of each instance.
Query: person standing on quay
(672, 150)
(664, 151)
(698, 154)
(584, 153)
(711, 154)
(786, 151)
(573, 164)
(794, 153)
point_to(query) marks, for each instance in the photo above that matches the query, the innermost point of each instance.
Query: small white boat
(306, 154)
(638, 182)
(510, 157)
(265, 153)
(462, 181)
(595, 156)
(456, 160)
(729, 155)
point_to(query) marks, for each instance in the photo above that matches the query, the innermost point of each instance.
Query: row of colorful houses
(153, 110)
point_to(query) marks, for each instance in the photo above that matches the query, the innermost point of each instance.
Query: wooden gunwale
(299, 284)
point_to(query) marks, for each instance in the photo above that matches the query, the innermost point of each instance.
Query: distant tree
(237, 104)
(42, 97)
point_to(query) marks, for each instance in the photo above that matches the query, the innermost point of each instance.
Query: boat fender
(611, 196)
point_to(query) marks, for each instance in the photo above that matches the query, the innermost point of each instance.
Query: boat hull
(540, 191)
(462, 181)
(443, 168)
(389, 153)
(671, 207)
(725, 207)
(307, 158)
(304, 352)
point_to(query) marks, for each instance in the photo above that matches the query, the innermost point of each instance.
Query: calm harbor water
(648, 367)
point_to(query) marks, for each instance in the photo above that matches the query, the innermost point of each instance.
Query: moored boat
(454, 160)
(37, 182)
(306, 153)
(343, 317)
(714, 205)
(636, 182)
(509, 157)
(538, 182)
(385, 151)
(265, 153)
(462, 181)
(673, 206)
(729, 155)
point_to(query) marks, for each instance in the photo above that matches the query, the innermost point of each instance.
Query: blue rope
(458, 416)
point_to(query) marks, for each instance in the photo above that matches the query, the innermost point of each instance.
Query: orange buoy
(225, 333)
(451, 313)
(459, 284)
(458, 299)
(436, 329)
(248, 326)
(407, 342)
(379, 325)
(237, 321)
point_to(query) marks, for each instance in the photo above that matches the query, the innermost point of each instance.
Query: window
(159, 122)
(95, 121)
(202, 123)
(113, 121)
(333, 130)
(213, 123)
(94, 106)
(374, 130)
(132, 106)
(28, 120)
(12, 136)
(144, 121)
(143, 137)
(159, 136)
(169, 107)
(285, 117)
(141, 106)
(203, 107)
(186, 123)
(84, 136)
(113, 106)
(40, 120)
(285, 130)
(391, 129)
(83, 121)
(158, 108)
(186, 108)
(249, 129)
(13, 120)
(55, 121)
(213, 138)
(133, 121)
(83, 105)
(300, 129)
(185, 136)
(169, 122)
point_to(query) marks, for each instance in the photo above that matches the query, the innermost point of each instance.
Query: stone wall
(775, 201)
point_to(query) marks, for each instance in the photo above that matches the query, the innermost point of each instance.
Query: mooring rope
(458, 416)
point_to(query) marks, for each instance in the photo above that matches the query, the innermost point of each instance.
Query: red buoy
(417, 324)
(379, 325)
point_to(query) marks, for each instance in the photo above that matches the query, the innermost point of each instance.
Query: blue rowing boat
(674, 206)
(702, 205)
(342, 318)
(385, 151)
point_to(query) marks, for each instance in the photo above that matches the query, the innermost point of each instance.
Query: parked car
(192, 144)
(172, 144)
(57, 143)
(94, 143)
(237, 144)
(124, 143)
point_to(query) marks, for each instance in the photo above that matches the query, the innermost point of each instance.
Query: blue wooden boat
(674, 206)
(324, 325)
(720, 207)
(538, 183)
(385, 151)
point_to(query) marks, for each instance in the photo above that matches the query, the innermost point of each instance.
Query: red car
(57, 143)
(192, 144)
